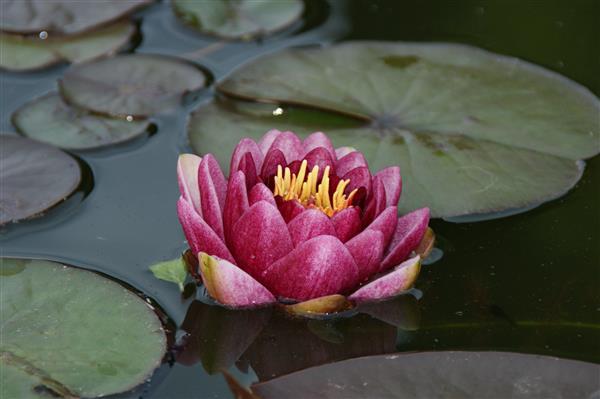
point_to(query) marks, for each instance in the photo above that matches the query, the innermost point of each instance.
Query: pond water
(525, 283)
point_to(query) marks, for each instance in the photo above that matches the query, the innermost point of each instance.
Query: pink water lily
(297, 220)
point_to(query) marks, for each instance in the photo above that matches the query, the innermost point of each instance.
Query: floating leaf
(130, 85)
(49, 119)
(73, 332)
(473, 132)
(63, 16)
(440, 375)
(34, 177)
(26, 53)
(238, 19)
(174, 271)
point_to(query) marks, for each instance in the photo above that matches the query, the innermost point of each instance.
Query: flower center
(303, 188)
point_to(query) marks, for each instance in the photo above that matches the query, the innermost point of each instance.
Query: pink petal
(199, 235)
(375, 202)
(289, 209)
(187, 177)
(320, 157)
(267, 140)
(260, 192)
(245, 146)
(392, 182)
(272, 160)
(316, 140)
(289, 144)
(359, 177)
(236, 202)
(230, 285)
(391, 284)
(309, 224)
(248, 166)
(347, 223)
(350, 161)
(367, 250)
(409, 232)
(343, 151)
(317, 267)
(213, 188)
(386, 223)
(259, 238)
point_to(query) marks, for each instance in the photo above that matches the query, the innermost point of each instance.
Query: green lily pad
(440, 375)
(137, 85)
(49, 119)
(73, 332)
(34, 176)
(26, 53)
(63, 16)
(238, 19)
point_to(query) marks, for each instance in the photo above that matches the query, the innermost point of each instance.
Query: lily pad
(440, 375)
(73, 332)
(34, 177)
(49, 119)
(137, 85)
(63, 16)
(26, 53)
(238, 19)
(473, 132)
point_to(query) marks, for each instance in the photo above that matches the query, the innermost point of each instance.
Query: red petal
(236, 202)
(320, 157)
(187, 177)
(317, 267)
(248, 166)
(267, 140)
(269, 167)
(259, 238)
(213, 188)
(359, 177)
(367, 250)
(260, 192)
(392, 182)
(244, 147)
(289, 144)
(316, 140)
(289, 209)
(375, 202)
(351, 161)
(386, 223)
(309, 224)
(341, 152)
(347, 223)
(409, 232)
(199, 235)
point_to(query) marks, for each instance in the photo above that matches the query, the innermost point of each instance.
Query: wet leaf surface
(135, 85)
(55, 319)
(26, 53)
(63, 16)
(34, 176)
(440, 375)
(49, 119)
(238, 19)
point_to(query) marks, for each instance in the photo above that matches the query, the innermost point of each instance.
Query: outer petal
(359, 177)
(230, 285)
(393, 283)
(317, 267)
(309, 224)
(260, 192)
(392, 182)
(341, 152)
(347, 223)
(269, 166)
(187, 177)
(318, 139)
(248, 166)
(319, 307)
(320, 157)
(245, 146)
(409, 232)
(386, 223)
(259, 238)
(199, 235)
(367, 249)
(213, 188)
(236, 202)
(350, 161)
(267, 140)
(289, 144)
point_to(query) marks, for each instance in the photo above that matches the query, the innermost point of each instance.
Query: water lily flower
(297, 220)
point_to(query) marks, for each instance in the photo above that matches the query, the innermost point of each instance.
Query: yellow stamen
(303, 188)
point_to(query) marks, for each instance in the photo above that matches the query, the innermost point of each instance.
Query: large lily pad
(34, 177)
(26, 53)
(440, 375)
(63, 16)
(238, 19)
(50, 120)
(130, 85)
(473, 131)
(73, 332)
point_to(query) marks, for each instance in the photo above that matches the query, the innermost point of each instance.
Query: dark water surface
(526, 283)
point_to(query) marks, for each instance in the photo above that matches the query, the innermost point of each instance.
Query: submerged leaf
(238, 19)
(49, 119)
(73, 332)
(174, 271)
(34, 177)
(25, 53)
